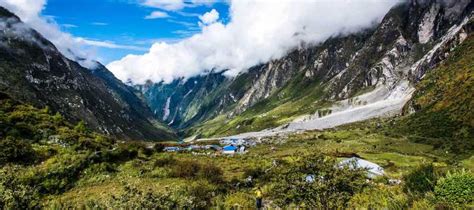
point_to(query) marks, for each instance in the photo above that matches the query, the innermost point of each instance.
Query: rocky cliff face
(378, 66)
(32, 70)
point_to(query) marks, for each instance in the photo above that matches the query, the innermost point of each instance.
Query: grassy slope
(444, 103)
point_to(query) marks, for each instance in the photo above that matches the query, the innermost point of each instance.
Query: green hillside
(444, 103)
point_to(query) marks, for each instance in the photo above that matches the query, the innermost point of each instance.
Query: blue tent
(230, 149)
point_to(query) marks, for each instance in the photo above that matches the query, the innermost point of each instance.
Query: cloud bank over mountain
(257, 32)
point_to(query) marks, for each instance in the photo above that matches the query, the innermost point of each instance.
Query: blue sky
(123, 22)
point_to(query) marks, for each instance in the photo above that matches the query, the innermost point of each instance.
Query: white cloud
(175, 5)
(209, 17)
(258, 31)
(157, 14)
(168, 5)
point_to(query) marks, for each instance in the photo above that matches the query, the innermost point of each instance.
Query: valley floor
(109, 184)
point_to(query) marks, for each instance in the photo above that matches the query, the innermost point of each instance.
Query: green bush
(379, 197)
(81, 127)
(455, 189)
(197, 196)
(317, 182)
(165, 161)
(254, 172)
(159, 147)
(16, 151)
(420, 180)
(211, 173)
(239, 200)
(185, 169)
(13, 194)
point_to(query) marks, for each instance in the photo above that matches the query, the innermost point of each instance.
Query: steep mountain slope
(347, 78)
(33, 71)
(444, 102)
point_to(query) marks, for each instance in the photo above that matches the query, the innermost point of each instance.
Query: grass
(398, 155)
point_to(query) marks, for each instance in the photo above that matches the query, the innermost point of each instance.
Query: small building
(373, 170)
(171, 149)
(230, 149)
(193, 147)
(233, 141)
(213, 147)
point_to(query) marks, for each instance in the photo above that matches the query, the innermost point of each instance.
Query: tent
(373, 169)
(230, 149)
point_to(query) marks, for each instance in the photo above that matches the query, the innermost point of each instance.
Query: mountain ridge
(312, 80)
(35, 72)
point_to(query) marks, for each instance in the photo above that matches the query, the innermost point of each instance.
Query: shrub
(197, 196)
(211, 173)
(159, 147)
(165, 161)
(239, 200)
(455, 189)
(15, 151)
(379, 197)
(254, 172)
(185, 169)
(81, 127)
(13, 194)
(328, 186)
(146, 151)
(420, 180)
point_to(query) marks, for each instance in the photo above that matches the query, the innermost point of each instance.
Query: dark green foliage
(159, 147)
(13, 193)
(420, 180)
(255, 173)
(192, 169)
(200, 195)
(329, 187)
(211, 173)
(455, 189)
(185, 169)
(81, 127)
(16, 151)
(166, 161)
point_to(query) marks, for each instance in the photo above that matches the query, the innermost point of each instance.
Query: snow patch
(189, 92)
(233, 97)
(166, 110)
